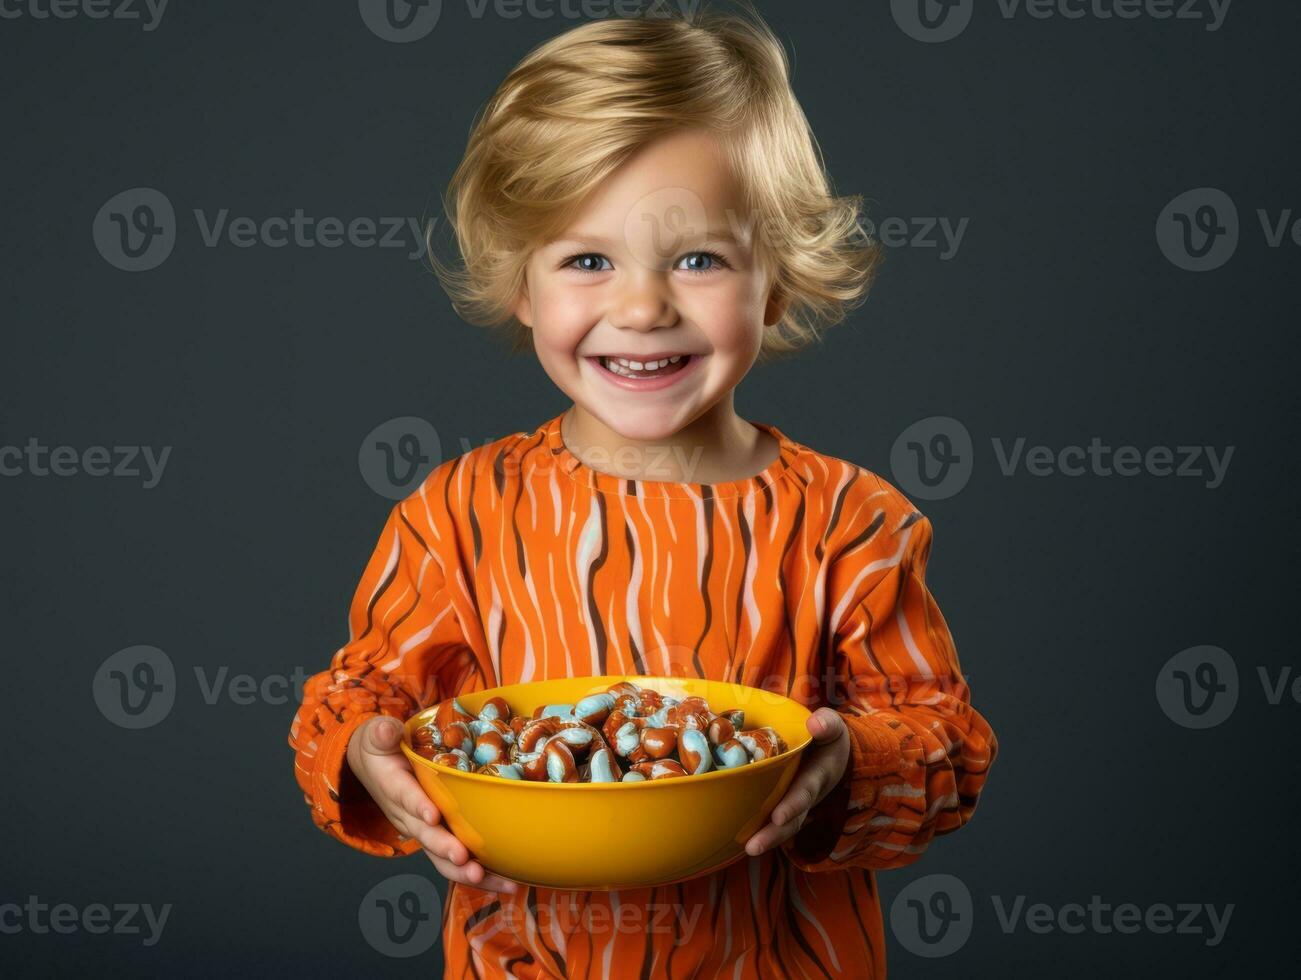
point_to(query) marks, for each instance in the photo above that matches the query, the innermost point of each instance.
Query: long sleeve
(920, 752)
(406, 650)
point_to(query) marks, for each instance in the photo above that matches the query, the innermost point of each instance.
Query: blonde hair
(585, 101)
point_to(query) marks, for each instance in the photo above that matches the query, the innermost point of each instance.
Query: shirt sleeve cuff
(839, 831)
(340, 805)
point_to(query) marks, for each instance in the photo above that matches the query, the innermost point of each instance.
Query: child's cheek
(564, 318)
(730, 315)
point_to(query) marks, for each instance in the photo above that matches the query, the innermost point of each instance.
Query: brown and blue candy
(694, 751)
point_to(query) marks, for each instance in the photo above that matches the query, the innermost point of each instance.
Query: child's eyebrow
(582, 238)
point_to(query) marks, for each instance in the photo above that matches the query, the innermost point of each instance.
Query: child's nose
(643, 302)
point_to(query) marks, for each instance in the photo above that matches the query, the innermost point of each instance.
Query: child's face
(654, 264)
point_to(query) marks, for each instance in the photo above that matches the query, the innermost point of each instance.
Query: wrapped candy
(626, 733)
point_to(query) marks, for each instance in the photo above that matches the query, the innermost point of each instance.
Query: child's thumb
(826, 725)
(383, 735)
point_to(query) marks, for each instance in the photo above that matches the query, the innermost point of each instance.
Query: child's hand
(820, 770)
(377, 761)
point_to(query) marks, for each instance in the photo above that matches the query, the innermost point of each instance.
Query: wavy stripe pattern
(516, 561)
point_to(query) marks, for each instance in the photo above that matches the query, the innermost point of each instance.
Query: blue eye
(584, 257)
(713, 258)
(591, 262)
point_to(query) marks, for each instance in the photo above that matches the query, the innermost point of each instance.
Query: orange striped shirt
(516, 561)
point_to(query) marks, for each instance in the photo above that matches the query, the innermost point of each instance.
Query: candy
(594, 708)
(694, 751)
(731, 754)
(659, 743)
(721, 730)
(659, 769)
(560, 764)
(602, 768)
(762, 743)
(626, 733)
(507, 770)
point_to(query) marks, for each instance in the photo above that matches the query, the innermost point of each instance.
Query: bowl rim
(434, 767)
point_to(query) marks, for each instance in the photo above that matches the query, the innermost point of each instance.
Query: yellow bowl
(601, 836)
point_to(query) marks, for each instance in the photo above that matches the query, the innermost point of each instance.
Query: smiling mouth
(627, 367)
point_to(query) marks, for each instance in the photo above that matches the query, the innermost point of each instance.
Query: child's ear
(778, 301)
(523, 308)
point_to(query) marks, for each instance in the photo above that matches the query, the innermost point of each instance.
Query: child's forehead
(671, 181)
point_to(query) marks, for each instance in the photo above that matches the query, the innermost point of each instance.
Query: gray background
(1058, 319)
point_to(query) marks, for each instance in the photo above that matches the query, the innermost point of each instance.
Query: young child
(643, 203)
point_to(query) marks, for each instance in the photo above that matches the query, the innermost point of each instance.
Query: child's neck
(717, 447)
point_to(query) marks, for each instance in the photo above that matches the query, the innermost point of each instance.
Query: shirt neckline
(579, 471)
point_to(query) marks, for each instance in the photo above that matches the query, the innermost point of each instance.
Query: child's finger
(805, 790)
(440, 841)
(809, 785)
(413, 799)
(391, 779)
(472, 873)
(771, 835)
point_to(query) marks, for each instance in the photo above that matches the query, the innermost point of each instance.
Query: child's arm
(406, 651)
(919, 753)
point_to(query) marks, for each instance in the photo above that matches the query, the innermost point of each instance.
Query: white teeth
(647, 365)
(622, 365)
